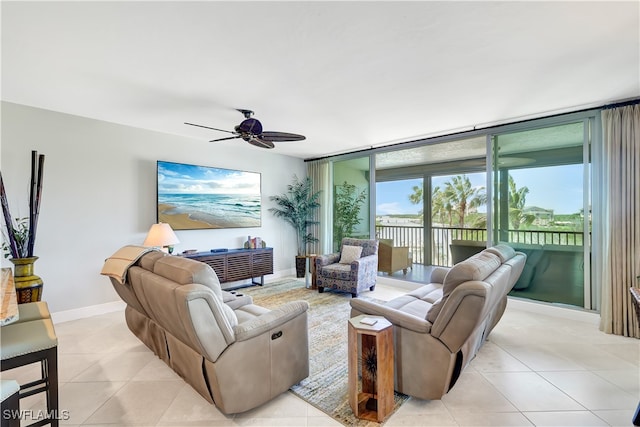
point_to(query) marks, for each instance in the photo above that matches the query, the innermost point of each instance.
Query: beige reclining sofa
(438, 328)
(236, 354)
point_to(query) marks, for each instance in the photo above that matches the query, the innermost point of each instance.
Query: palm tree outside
(458, 198)
(517, 202)
(463, 196)
(441, 207)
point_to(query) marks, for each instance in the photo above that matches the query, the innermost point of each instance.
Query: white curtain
(617, 199)
(320, 172)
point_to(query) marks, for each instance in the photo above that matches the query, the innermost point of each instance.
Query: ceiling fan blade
(260, 143)
(281, 136)
(207, 127)
(224, 139)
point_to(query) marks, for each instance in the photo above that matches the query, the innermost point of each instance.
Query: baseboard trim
(563, 312)
(110, 307)
(228, 286)
(519, 304)
(84, 312)
(548, 309)
(398, 283)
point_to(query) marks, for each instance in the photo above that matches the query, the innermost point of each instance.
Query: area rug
(326, 387)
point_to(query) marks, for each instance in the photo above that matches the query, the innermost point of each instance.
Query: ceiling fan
(251, 131)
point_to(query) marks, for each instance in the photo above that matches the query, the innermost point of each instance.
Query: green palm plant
(20, 235)
(517, 201)
(347, 205)
(463, 197)
(441, 207)
(416, 199)
(297, 207)
(416, 196)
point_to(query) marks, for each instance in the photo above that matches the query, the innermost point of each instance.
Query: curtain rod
(620, 103)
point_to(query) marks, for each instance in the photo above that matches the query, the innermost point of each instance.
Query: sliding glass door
(540, 207)
(432, 195)
(526, 184)
(458, 216)
(400, 216)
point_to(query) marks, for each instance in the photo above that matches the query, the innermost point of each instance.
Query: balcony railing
(441, 238)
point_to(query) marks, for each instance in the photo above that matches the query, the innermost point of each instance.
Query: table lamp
(161, 235)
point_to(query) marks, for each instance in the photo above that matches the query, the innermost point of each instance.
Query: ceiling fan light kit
(250, 130)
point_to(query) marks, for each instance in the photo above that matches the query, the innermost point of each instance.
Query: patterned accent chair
(353, 277)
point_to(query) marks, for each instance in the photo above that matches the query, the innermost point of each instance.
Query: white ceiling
(348, 75)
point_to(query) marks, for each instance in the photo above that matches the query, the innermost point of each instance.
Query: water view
(196, 197)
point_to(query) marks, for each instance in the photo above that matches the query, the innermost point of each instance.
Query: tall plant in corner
(347, 204)
(21, 234)
(297, 207)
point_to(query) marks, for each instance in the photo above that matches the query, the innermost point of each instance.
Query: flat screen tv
(192, 197)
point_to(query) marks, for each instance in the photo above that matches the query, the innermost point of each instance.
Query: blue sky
(176, 178)
(555, 187)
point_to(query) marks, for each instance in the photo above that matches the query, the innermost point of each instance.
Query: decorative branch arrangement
(21, 235)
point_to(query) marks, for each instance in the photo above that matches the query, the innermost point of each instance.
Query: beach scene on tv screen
(196, 197)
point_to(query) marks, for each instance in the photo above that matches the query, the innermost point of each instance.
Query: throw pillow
(350, 254)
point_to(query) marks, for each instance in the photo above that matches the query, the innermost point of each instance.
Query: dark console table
(238, 264)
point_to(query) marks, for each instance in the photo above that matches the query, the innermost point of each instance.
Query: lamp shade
(161, 235)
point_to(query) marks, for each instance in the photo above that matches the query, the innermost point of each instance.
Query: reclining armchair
(353, 269)
(236, 354)
(439, 327)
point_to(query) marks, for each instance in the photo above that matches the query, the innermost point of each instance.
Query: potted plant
(20, 235)
(297, 207)
(347, 205)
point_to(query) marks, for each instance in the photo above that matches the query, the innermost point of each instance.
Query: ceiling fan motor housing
(252, 126)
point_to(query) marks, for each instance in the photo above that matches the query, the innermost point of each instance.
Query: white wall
(99, 193)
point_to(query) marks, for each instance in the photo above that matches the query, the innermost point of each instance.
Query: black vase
(301, 266)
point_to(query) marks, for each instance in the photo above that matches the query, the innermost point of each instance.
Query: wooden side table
(312, 270)
(371, 368)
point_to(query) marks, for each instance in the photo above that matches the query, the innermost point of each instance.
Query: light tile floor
(535, 369)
